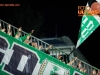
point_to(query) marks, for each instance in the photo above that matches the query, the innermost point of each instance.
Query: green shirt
(23, 38)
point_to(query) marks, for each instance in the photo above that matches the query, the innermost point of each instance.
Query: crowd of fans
(27, 39)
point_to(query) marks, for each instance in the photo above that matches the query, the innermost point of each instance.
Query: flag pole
(71, 51)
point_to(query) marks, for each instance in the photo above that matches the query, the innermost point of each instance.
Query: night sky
(50, 19)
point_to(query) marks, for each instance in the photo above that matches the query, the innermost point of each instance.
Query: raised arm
(3, 30)
(9, 32)
(19, 29)
(9, 27)
(18, 33)
(40, 47)
(32, 31)
(59, 57)
(0, 27)
(48, 47)
(28, 40)
(70, 63)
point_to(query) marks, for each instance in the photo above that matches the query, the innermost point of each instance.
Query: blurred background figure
(34, 44)
(46, 50)
(98, 73)
(93, 72)
(60, 57)
(79, 65)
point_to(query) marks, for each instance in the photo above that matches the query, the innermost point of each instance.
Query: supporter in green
(23, 38)
(26, 39)
(18, 34)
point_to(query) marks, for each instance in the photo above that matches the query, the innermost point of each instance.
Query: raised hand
(9, 26)
(50, 46)
(0, 24)
(76, 58)
(3, 30)
(59, 56)
(40, 47)
(30, 40)
(32, 31)
(20, 29)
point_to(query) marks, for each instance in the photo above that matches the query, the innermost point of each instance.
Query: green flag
(88, 25)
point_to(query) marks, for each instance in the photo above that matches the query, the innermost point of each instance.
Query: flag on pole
(88, 25)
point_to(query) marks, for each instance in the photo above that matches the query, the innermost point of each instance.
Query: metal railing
(84, 65)
(88, 67)
(39, 42)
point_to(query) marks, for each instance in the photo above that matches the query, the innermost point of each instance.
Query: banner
(18, 58)
(88, 25)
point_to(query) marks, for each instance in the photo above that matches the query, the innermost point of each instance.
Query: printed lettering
(16, 58)
(3, 47)
(87, 29)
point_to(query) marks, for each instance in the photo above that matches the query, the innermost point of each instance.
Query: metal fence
(34, 39)
(84, 65)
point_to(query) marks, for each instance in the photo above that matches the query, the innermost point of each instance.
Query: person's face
(94, 72)
(98, 71)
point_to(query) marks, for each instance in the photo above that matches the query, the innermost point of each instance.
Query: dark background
(51, 20)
